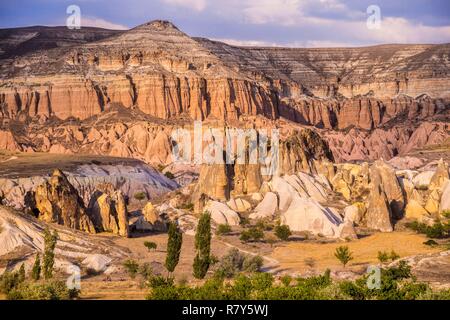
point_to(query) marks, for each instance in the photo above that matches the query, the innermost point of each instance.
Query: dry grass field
(298, 256)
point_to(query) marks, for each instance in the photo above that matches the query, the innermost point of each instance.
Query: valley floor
(291, 257)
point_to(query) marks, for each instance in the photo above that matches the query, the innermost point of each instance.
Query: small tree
(22, 274)
(50, 240)
(150, 245)
(283, 232)
(344, 255)
(173, 247)
(202, 259)
(36, 272)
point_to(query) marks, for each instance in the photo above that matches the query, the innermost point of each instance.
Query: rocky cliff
(357, 97)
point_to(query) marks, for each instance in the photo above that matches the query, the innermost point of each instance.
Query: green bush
(140, 196)
(151, 246)
(9, 281)
(283, 232)
(286, 280)
(169, 175)
(145, 270)
(244, 221)
(431, 243)
(396, 284)
(235, 262)
(187, 206)
(252, 263)
(394, 255)
(437, 231)
(223, 229)
(132, 267)
(253, 234)
(53, 290)
(383, 256)
(263, 225)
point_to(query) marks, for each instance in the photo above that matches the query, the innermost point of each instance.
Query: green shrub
(169, 175)
(223, 229)
(445, 213)
(140, 196)
(235, 262)
(396, 284)
(54, 290)
(151, 246)
(431, 243)
(437, 231)
(286, 280)
(146, 271)
(394, 255)
(263, 225)
(253, 234)
(187, 206)
(422, 187)
(244, 221)
(252, 263)
(383, 256)
(132, 267)
(9, 281)
(283, 232)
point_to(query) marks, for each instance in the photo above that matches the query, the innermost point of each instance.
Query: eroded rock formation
(58, 201)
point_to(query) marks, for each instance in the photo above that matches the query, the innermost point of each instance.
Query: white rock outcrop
(222, 214)
(266, 208)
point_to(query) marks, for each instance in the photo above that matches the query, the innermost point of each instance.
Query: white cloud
(248, 43)
(285, 12)
(100, 23)
(198, 5)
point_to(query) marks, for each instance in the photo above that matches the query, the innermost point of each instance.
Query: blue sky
(296, 23)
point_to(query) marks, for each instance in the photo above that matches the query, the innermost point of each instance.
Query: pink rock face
(8, 142)
(357, 145)
(382, 107)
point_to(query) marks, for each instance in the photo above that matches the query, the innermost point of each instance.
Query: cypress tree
(36, 272)
(202, 259)
(22, 274)
(173, 247)
(49, 252)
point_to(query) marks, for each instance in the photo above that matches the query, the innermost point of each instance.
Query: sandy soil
(122, 287)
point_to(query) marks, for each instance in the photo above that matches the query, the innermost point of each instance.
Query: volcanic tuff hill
(164, 73)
